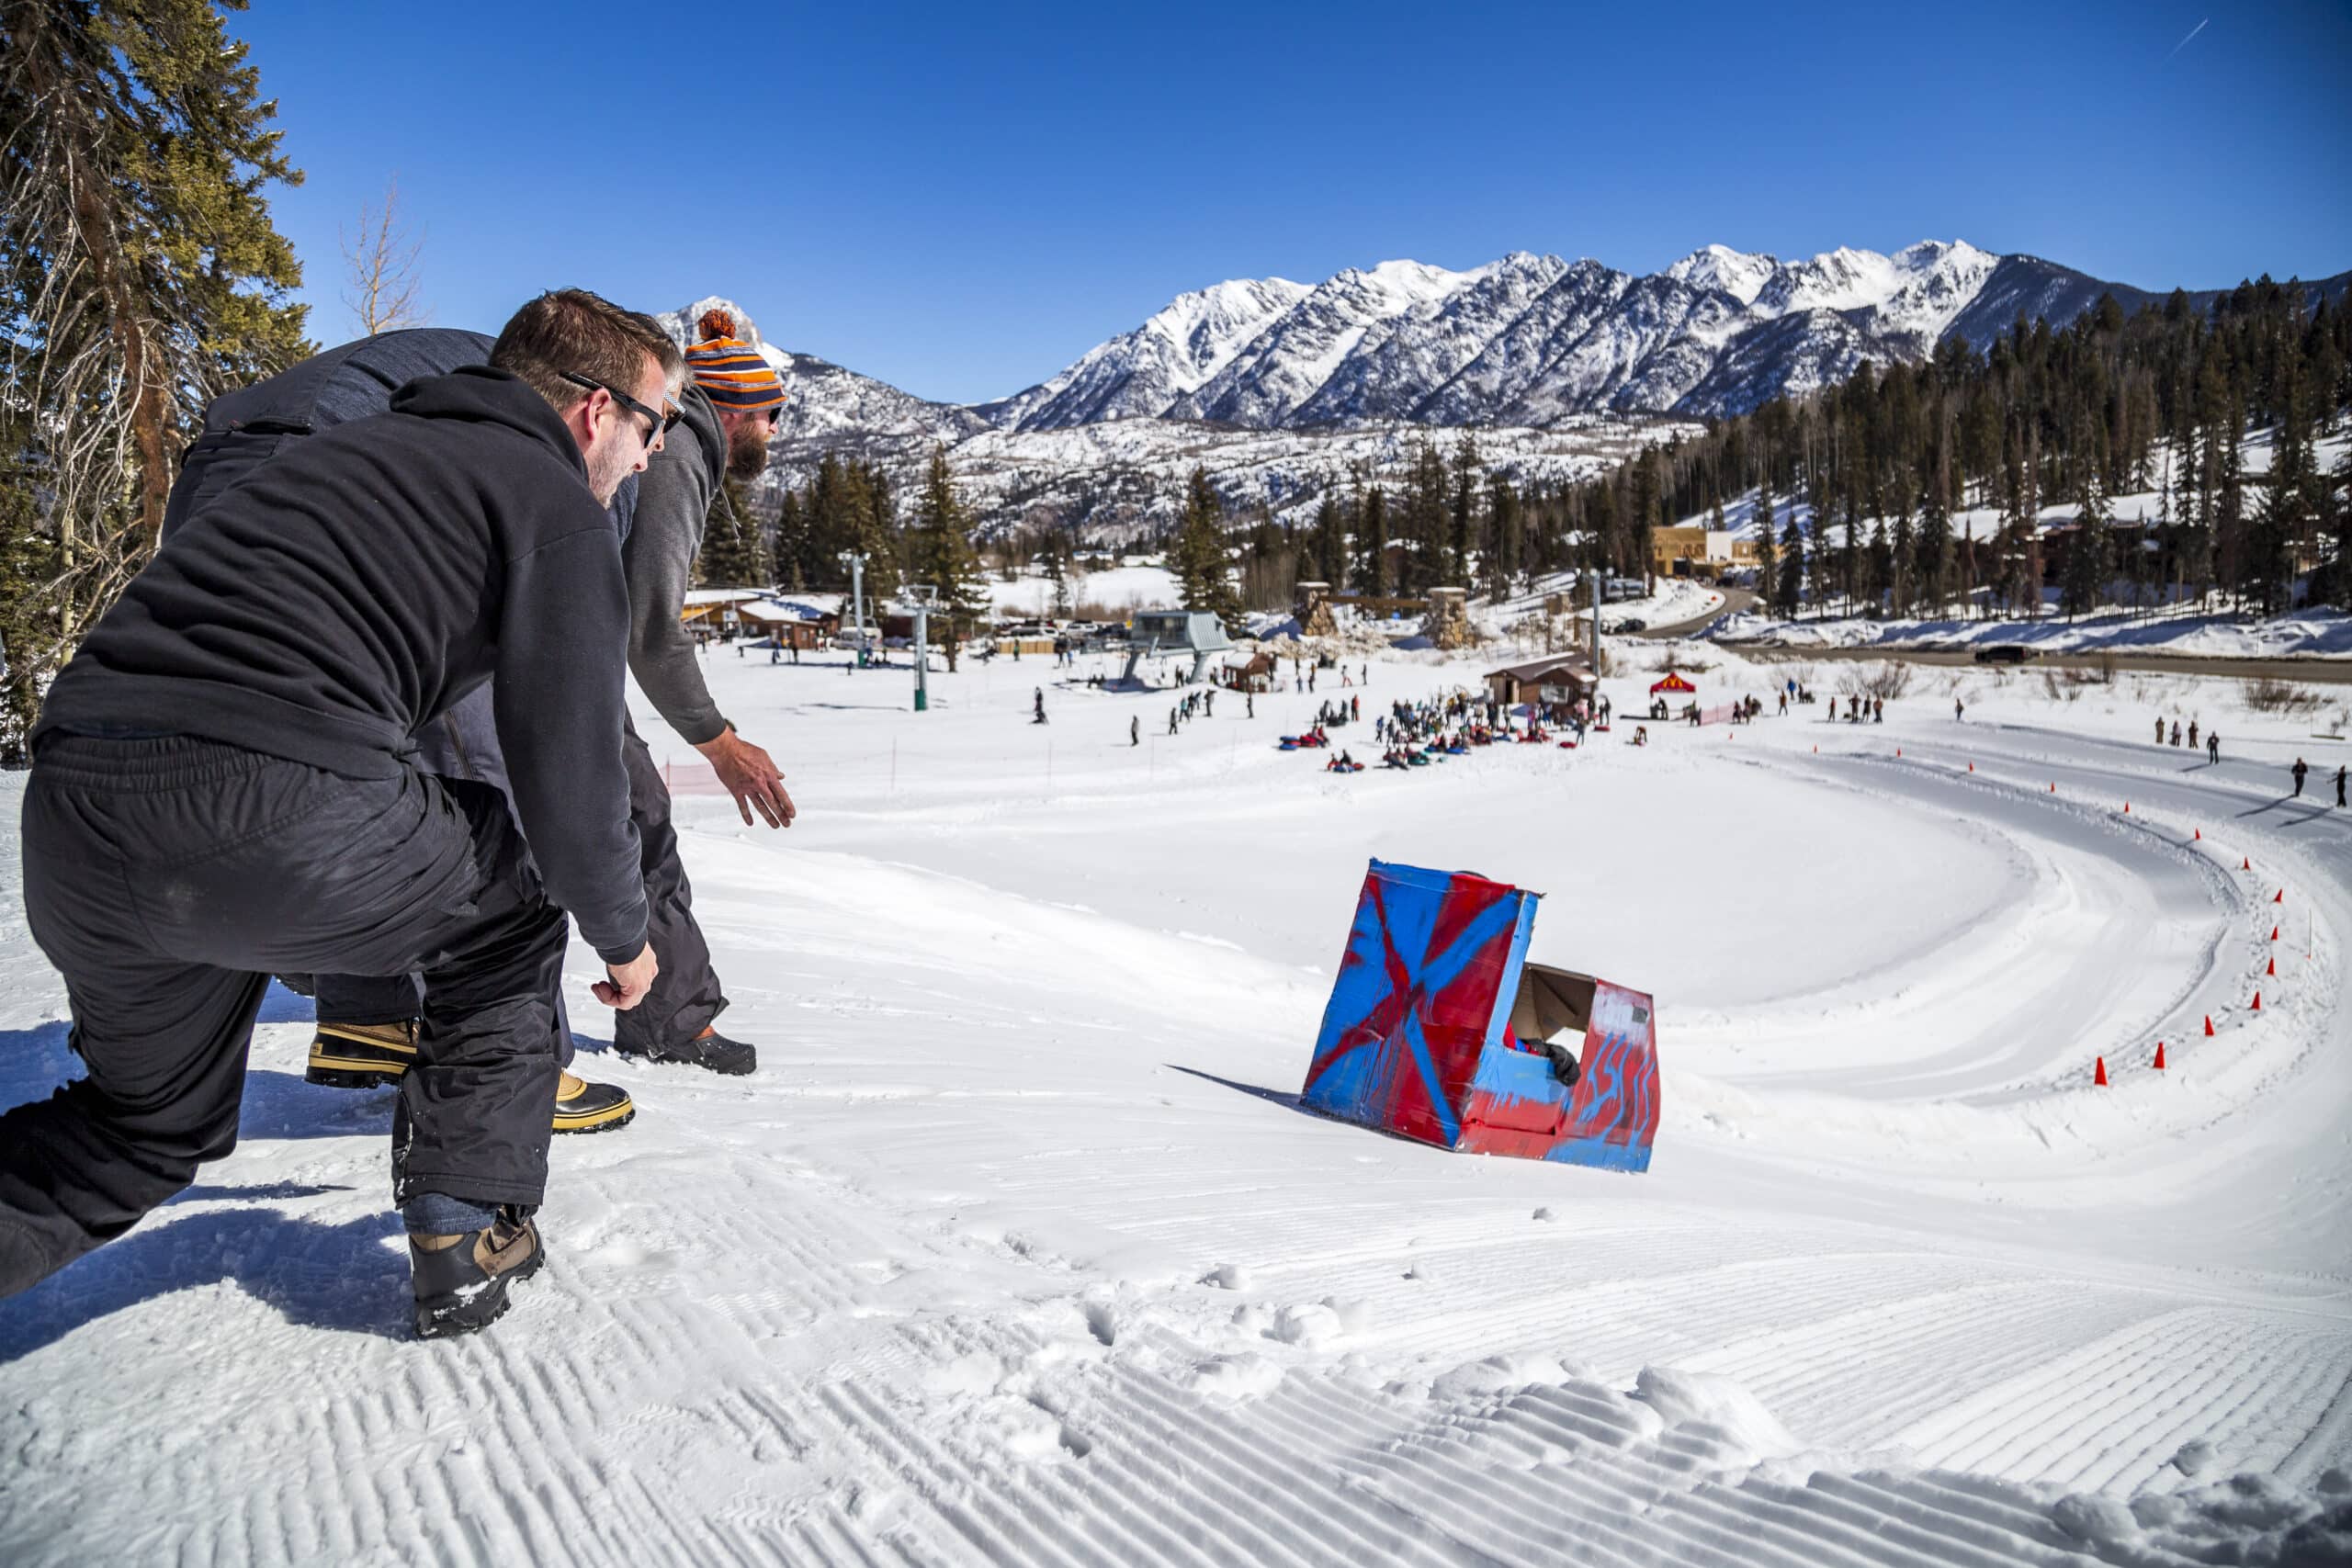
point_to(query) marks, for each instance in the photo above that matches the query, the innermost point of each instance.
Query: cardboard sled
(1435, 988)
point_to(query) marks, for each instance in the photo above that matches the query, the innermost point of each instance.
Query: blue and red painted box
(1438, 1027)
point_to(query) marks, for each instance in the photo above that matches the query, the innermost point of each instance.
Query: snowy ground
(1018, 1248)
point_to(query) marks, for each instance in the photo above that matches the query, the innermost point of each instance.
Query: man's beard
(746, 450)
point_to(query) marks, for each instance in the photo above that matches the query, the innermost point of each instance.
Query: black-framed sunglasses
(656, 424)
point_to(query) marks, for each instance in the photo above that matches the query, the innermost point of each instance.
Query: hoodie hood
(481, 395)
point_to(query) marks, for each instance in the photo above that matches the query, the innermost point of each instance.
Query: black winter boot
(710, 1049)
(460, 1282)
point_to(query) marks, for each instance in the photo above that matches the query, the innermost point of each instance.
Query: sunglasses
(655, 423)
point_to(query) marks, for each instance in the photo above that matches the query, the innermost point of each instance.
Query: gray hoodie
(673, 498)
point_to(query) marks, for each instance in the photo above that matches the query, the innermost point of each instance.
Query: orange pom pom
(715, 324)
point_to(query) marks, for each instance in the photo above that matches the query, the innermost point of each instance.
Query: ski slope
(1018, 1248)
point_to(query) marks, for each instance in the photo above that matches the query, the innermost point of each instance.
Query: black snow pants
(686, 997)
(168, 878)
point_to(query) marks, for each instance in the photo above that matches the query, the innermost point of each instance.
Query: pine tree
(1376, 574)
(793, 554)
(1788, 594)
(1768, 548)
(1329, 559)
(1463, 530)
(141, 276)
(734, 554)
(940, 556)
(1203, 567)
(1508, 542)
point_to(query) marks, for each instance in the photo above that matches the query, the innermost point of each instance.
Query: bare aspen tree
(380, 267)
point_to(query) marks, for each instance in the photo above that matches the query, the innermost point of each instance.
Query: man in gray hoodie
(732, 402)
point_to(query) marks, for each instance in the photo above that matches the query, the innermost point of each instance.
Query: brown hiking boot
(584, 1107)
(460, 1282)
(361, 1056)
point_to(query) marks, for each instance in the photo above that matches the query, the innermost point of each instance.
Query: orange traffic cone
(2200, 835)
(2209, 1026)
(2274, 934)
(1971, 767)
(2053, 789)
(2257, 1001)
(2100, 1077)
(2272, 968)
(1899, 750)
(2280, 896)
(2160, 1055)
(2127, 809)
(2245, 864)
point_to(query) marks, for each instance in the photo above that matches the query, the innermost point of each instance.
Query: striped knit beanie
(731, 372)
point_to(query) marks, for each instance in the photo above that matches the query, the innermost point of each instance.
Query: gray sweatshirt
(673, 499)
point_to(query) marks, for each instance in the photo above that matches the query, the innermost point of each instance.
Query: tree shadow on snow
(343, 1278)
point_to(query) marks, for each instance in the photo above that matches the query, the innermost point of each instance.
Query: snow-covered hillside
(1019, 1247)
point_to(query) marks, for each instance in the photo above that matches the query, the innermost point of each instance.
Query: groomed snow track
(1018, 1249)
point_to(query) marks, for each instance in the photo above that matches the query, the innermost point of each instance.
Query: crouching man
(222, 789)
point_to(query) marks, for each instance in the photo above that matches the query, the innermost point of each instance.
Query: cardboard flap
(1552, 1003)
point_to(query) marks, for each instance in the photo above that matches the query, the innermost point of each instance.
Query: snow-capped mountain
(1529, 340)
(1282, 389)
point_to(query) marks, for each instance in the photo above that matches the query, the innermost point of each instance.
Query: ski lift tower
(855, 561)
(923, 595)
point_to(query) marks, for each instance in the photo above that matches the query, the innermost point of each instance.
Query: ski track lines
(857, 1310)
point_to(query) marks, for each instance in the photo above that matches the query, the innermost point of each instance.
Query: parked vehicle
(2007, 653)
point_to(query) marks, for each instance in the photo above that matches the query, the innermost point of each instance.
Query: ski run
(1018, 1248)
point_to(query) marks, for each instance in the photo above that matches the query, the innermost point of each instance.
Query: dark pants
(167, 879)
(686, 997)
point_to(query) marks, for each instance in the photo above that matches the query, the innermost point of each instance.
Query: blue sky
(961, 199)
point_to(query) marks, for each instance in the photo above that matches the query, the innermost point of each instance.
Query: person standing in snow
(2160, 729)
(2300, 771)
(2192, 735)
(1135, 730)
(727, 413)
(233, 739)
(1037, 707)
(2339, 786)
(1959, 709)
(2213, 747)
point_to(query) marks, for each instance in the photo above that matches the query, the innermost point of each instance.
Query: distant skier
(1171, 721)
(2213, 747)
(1249, 705)
(2192, 735)
(1959, 709)
(1037, 710)
(2175, 732)
(1135, 730)
(2339, 787)
(2160, 729)
(2300, 770)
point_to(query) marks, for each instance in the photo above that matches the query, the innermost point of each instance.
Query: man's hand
(629, 981)
(751, 776)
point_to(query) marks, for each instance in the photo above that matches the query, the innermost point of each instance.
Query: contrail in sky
(2192, 33)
